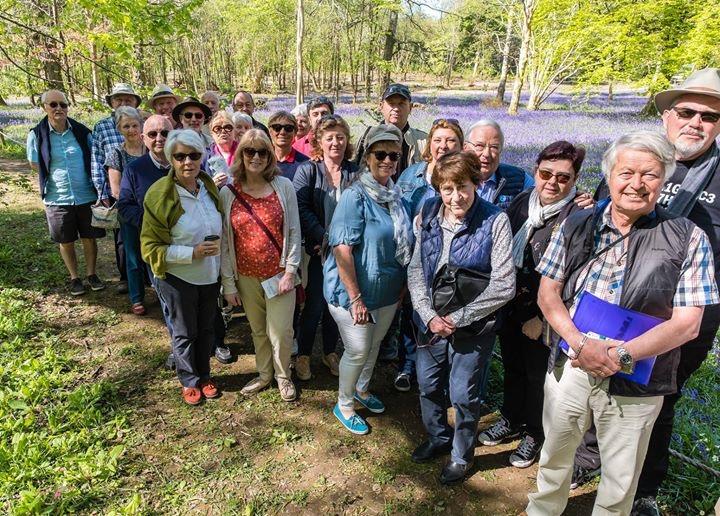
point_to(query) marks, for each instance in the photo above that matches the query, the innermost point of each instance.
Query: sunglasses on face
(154, 134)
(249, 152)
(453, 121)
(706, 116)
(288, 128)
(181, 156)
(223, 128)
(380, 155)
(189, 114)
(54, 105)
(546, 175)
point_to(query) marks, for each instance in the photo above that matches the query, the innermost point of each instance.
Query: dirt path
(259, 454)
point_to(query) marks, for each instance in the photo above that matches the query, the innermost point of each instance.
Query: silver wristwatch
(626, 360)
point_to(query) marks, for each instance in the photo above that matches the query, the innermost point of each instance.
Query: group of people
(424, 235)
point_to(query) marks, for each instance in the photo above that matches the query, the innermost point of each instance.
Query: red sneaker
(191, 395)
(209, 389)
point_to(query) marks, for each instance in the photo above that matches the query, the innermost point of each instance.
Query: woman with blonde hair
(261, 256)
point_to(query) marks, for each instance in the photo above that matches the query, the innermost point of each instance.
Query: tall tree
(528, 11)
(300, 32)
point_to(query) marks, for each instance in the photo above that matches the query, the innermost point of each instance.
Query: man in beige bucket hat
(691, 119)
(162, 101)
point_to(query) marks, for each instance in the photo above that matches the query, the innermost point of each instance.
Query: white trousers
(362, 343)
(624, 424)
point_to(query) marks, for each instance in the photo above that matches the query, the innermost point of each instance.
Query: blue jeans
(133, 262)
(453, 370)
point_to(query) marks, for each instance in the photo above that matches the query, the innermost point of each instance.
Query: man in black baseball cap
(395, 107)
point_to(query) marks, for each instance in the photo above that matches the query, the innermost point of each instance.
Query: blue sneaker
(354, 423)
(372, 403)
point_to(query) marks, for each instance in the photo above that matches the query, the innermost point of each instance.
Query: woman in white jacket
(260, 257)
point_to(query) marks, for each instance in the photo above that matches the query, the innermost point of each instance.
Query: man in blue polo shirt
(58, 148)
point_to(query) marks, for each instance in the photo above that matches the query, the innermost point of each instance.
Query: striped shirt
(604, 276)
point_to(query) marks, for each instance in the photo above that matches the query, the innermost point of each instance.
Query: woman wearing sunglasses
(371, 240)
(222, 151)
(260, 257)
(461, 230)
(283, 128)
(534, 216)
(319, 184)
(180, 241)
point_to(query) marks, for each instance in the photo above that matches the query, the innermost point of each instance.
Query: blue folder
(609, 321)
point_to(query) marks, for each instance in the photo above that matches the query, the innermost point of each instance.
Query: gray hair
(239, 115)
(127, 112)
(210, 93)
(300, 110)
(186, 137)
(43, 97)
(487, 122)
(651, 142)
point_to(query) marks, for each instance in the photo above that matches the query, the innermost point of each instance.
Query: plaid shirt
(604, 276)
(105, 137)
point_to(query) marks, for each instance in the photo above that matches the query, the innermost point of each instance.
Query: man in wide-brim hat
(691, 118)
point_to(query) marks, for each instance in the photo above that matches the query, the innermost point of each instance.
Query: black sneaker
(526, 453)
(95, 282)
(645, 506)
(170, 362)
(582, 476)
(76, 287)
(499, 432)
(122, 287)
(223, 354)
(402, 382)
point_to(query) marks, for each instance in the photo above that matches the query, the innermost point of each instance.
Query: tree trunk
(449, 68)
(94, 71)
(528, 11)
(389, 49)
(500, 94)
(610, 92)
(299, 84)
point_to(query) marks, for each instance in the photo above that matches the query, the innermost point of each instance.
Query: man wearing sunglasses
(105, 138)
(395, 107)
(58, 148)
(691, 119)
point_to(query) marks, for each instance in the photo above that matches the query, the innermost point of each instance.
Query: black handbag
(456, 287)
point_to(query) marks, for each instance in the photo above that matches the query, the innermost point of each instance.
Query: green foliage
(60, 438)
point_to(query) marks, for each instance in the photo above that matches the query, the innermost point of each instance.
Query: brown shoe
(254, 386)
(332, 361)
(287, 390)
(138, 309)
(302, 367)
(209, 389)
(191, 395)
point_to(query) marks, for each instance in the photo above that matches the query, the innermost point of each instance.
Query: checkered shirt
(604, 276)
(105, 137)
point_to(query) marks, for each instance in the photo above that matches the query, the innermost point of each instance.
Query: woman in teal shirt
(371, 238)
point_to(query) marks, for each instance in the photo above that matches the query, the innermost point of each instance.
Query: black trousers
(524, 368)
(192, 310)
(120, 254)
(657, 460)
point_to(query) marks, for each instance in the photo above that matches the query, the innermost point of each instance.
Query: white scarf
(390, 194)
(537, 215)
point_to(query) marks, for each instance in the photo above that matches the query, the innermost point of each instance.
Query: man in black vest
(631, 254)
(691, 118)
(58, 148)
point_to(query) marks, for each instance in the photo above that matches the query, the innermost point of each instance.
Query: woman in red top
(261, 255)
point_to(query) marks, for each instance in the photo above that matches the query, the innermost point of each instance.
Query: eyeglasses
(54, 105)
(220, 128)
(190, 114)
(453, 121)
(380, 155)
(181, 156)
(495, 149)
(289, 128)
(154, 134)
(546, 175)
(706, 116)
(249, 152)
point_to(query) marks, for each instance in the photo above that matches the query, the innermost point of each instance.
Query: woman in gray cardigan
(260, 257)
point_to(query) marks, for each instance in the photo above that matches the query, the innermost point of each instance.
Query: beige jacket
(291, 244)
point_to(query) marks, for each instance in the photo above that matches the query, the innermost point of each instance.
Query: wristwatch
(626, 360)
